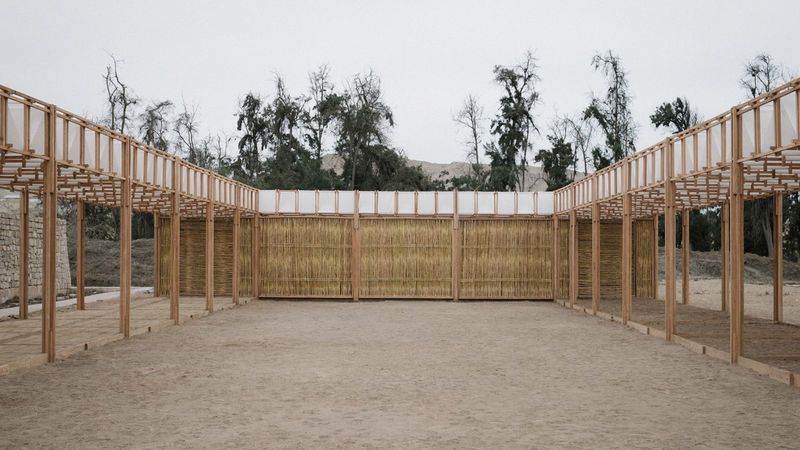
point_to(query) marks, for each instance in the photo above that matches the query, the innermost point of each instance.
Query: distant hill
(533, 179)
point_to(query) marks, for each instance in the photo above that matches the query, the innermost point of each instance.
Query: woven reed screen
(245, 257)
(643, 258)
(164, 256)
(610, 259)
(406, 258)
(506, 259)
(563, 267)
(306, 257)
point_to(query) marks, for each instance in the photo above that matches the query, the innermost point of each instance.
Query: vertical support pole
(125, 244)
(655, 262)
(175, 244)
(627, 245)
(49, 217)
(210, 246)
(255, 263)
(777, 260)
(237, 223)
(595, 248)
(556, 257)
(685, 256)
(156, 255)
(455, 255)
(573, 253)
(725, 247)
(80, 255)
(355, 251)
(669, 243)
(737, 240)
(24, 246)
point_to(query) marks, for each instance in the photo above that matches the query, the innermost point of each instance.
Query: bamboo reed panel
(643, 258)
(563, 239)
(507, 259)
(245, 257)
(305, 257)
(610, 260)
(407, 258)
(164, 256)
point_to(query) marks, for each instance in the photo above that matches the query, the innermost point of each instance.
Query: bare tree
(470, 116)
(325, 103)
(761, 75)
(187, 142)
(582, 134)
(154, 124)
(120, 98)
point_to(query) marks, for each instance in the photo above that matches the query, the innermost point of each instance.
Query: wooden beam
(669, 245)
(777, 260)
(24, 248)
(210, 247)
(556, 258)
(237, 226)
(80, 255)
(737, 241)
(355, 252)
(685, 256)
(49, 217)
(175, 245)
(725, 246)
(627, 246)
(595, 248)
(573, 254)
(125, 244)
(455, 251)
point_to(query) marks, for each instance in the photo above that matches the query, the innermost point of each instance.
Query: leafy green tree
(676, 116)
(252, 123)
(557, 163)
(513, 125)
(324, 105)
(154, 124)
(612, 112)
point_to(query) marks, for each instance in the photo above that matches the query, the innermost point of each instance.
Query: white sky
(428, 54)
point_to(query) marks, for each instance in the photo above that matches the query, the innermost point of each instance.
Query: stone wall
(9, 254)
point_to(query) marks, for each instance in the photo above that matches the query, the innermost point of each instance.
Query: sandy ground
(395, 374)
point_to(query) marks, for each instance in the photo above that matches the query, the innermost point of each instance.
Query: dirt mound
(102, 262)
(757, 269)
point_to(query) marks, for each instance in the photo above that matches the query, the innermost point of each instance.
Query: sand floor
(395, 374)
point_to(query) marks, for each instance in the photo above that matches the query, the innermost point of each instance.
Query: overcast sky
(428, 54)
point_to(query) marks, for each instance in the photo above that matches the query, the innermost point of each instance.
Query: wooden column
(24, 246)
(627, 246)
(237, 225)
(455, 255)
(175, 245)
(777, 260)
(595, 249)
(669, 244)
(49, 193)
(255, 263)
(125, 244)
(156, 255)
(355, 251)
(80, 255)
(737, 241)
(725, 246)
(654, 276)
(685, 256)
(210, 246)
(573, 253)
(556, 258)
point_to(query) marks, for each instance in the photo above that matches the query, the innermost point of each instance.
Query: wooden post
(24, 246)
(156, 255)
(627, 246)
(80, 255)
(737, 240)
(669, 244)
(573, 253)
(595, 248)
(725, 247)
(49, 192)
(175, 244)
(455, 254)
(685, 256)
(210, 246)
(255, 263)
(654, 276)
(355, 251)
(777, 260)
(125, 244)
(237, 223)
(556, 257)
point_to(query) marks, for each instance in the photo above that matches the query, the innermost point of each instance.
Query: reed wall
(506, 259)
(406, 258)
(643, 259)
(306, 257)
(562, 290)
